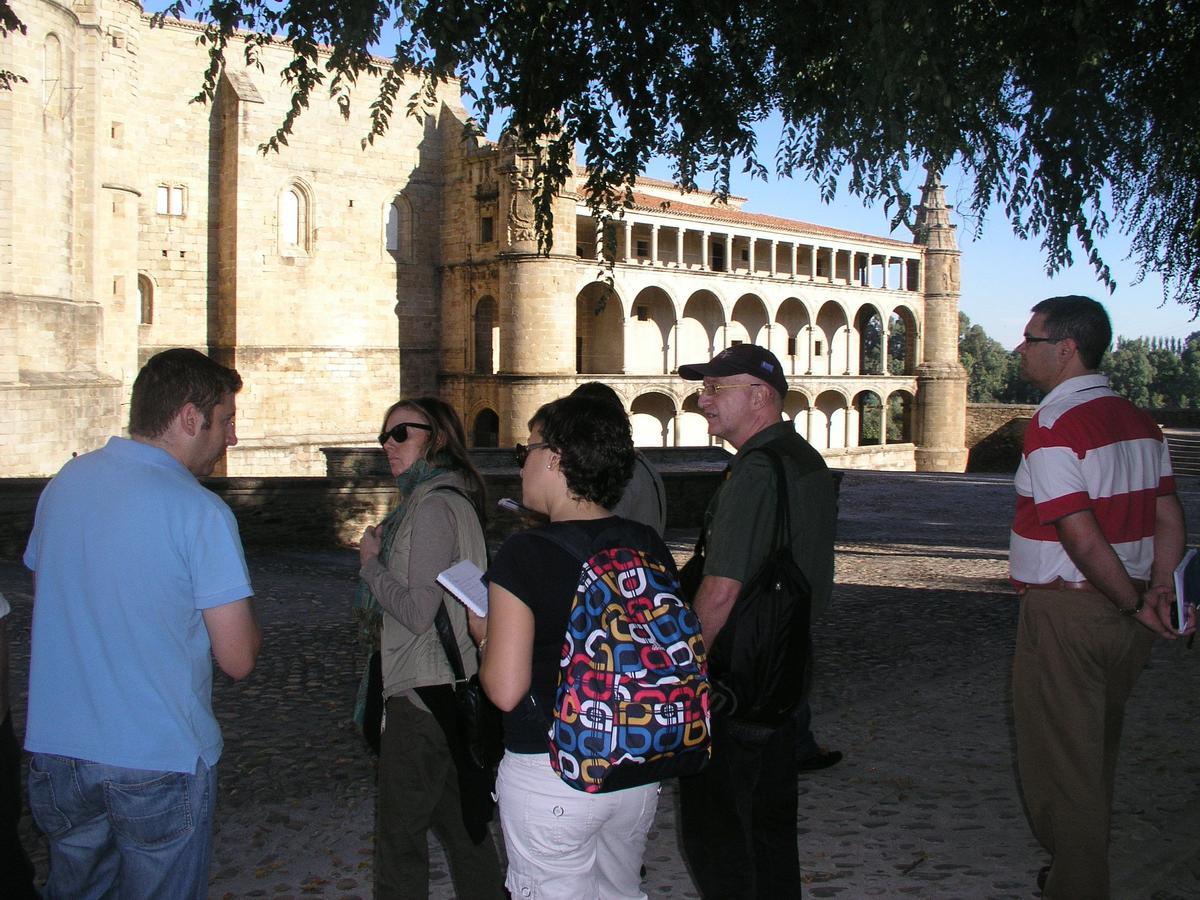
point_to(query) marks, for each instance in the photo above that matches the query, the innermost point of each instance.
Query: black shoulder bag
(757, 663)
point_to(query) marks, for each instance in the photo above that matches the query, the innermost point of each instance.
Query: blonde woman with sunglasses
(435, 525)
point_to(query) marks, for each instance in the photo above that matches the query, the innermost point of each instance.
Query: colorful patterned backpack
(632, 701)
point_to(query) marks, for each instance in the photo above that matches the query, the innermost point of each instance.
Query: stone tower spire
(941, 379)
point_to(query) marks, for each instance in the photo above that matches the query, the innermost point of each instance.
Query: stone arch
(900, 417)
(903, 341)
(599, 330)
(795, 408)
(398, 228)
(652, 418)
(648, 348)
(702, 321)
(828, 431)
(486, 336)
(829, 340)
(485, 428)
(795, 324)
(867, 409)
(871, 354)
(692, 426)
(749, 322)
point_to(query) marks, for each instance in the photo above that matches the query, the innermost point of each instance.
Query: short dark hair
(594, 446)
(1081, 319)
(172, 379)
(599, 392)
(447, 445)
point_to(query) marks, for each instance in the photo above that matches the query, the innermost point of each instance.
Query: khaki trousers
(1076, 662)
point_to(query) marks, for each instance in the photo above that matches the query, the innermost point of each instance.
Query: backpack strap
(571, 538)
(441, 621)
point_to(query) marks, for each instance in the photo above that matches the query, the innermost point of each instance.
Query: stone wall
(995, 432)
(325, 512)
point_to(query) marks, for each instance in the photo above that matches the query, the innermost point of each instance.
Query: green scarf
(368, 614)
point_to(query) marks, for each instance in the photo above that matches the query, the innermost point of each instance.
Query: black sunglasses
(399, 433)
(521, 451)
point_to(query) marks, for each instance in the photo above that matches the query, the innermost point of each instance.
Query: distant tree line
(1154, 373)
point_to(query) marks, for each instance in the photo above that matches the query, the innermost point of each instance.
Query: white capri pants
(565, 844)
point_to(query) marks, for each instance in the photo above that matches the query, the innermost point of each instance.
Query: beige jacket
(439, 529)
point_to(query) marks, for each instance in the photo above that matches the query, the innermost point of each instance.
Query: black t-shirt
(544, 576)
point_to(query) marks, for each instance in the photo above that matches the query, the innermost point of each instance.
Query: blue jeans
(123, 832)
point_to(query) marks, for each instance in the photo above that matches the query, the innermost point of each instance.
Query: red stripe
(1026, 524)
(1123, 518)
(1097, 423)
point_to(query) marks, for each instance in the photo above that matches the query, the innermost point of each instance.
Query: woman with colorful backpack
(597, 662)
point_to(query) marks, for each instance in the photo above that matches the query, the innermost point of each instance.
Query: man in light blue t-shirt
(139, 583)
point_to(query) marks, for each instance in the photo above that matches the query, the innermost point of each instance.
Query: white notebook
(465, 581)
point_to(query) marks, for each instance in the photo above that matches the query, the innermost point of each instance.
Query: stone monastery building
(337, 278)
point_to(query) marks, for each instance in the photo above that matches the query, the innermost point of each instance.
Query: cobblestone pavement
(912, 684)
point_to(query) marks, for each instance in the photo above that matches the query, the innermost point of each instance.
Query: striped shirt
(1087, 448)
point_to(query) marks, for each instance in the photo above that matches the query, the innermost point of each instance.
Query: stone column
(940, 432)
(654, 245)
(628, 241)
(729, 251)
(774, 245)
(705, 236)
(883, 421)
(812, 260)
(794, 259)
(750, 265)
(679, 247)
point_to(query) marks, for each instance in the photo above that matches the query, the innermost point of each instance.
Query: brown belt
(1061, 584)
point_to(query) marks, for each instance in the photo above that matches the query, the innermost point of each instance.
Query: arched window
(487, 337)
(52, 76)
(486, 429)
(294, 221)
(145, 299)
(398, 230)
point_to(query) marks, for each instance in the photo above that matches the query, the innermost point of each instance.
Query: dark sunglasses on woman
(521, 451)
(399, 433)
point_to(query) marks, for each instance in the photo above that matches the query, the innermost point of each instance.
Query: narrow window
(289, 218)
(146, 300)
(161, 199)
(643, 313)
(486, 230)
(818, 348)
(643, 249)
(791, 348)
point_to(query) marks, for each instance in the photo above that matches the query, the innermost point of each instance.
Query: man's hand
(1156, 612)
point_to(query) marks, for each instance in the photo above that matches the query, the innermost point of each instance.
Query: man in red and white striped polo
(1097, 534)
